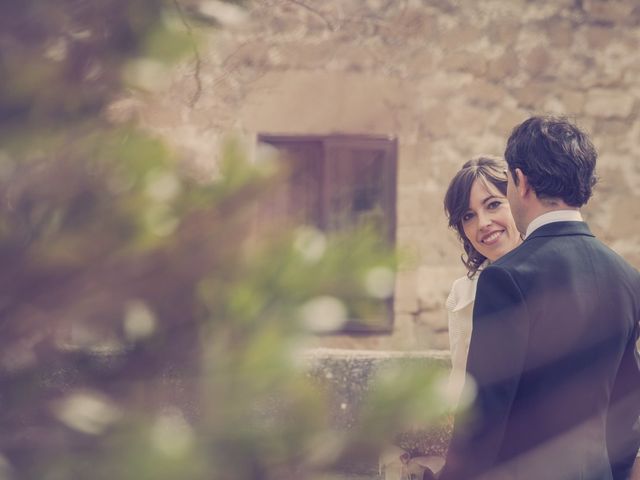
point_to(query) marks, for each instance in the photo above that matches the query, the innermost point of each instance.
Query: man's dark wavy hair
(556, 156)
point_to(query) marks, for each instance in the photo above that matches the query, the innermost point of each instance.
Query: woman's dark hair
(557, 158)
(487, 169)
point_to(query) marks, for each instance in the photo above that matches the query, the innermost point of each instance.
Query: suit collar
(565, 215)
(560, 229)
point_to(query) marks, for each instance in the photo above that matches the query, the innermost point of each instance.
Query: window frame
(386, 143)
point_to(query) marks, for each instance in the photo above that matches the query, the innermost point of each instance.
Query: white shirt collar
(553, 216)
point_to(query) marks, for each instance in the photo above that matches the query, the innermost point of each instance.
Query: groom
(555, 325)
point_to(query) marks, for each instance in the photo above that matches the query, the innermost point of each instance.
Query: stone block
(346, 341)
(434, 122)
(574, 72)
(599, 37)
(465, 61)
(626, 216)
(324, 102)
(611, 11)
(484, 94)
(611, 181)
(434, 284)
(628, 248)
(573, 101)
(435, 321)
(410, 207)
(532, 95)
(414, 160)
(429, 201)
(405, 299)
(432, 338)
(609, 103)
(404, 336)
(440, 86)
(537, 61)
(460, 36)
(545, 11)
(422, 63)
(439, 246)
(504, 30)
(472, 118)
(414, 21)
(506, 65)
(409, 239)
(612, 127)
(560, 32)
(506, 120)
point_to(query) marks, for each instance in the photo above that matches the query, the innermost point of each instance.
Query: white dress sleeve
(459, 306)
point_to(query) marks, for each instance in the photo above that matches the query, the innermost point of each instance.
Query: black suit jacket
(553, 354)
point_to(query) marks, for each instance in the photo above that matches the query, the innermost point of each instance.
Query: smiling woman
(477, 208)
(488, 223)
(476, 200)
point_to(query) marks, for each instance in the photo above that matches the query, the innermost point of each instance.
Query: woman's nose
(484, 220)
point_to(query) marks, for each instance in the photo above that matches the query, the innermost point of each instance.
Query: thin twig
(315, 12)
(196, 54)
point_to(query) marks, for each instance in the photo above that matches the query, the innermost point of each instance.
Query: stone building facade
(448, 79)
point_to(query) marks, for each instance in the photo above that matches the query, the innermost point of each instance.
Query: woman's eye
(467, 216)
(494, 204)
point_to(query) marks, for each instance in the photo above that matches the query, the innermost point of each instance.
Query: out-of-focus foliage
(148, 328)
(62, 57)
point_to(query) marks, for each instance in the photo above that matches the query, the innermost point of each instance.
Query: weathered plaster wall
(449, 79)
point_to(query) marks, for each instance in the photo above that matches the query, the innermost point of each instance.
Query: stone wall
(448, 78)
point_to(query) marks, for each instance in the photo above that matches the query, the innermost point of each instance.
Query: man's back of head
(557, 158)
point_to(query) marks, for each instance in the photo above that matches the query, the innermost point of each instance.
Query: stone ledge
(318, 354)
(347, 374)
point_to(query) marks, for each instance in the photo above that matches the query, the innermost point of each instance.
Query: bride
(477, 208)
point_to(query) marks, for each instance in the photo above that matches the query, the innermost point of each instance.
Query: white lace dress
(459, 306)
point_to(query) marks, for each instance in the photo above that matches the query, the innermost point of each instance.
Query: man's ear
(522, 184)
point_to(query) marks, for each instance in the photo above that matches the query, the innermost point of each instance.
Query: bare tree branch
(316, 12)
(196, 54)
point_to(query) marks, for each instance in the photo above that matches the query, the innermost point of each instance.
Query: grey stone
(609, 103)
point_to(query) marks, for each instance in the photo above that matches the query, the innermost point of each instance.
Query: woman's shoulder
(463, 292)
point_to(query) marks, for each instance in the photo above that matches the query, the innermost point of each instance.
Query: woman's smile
(488, 223)
(492, 237)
